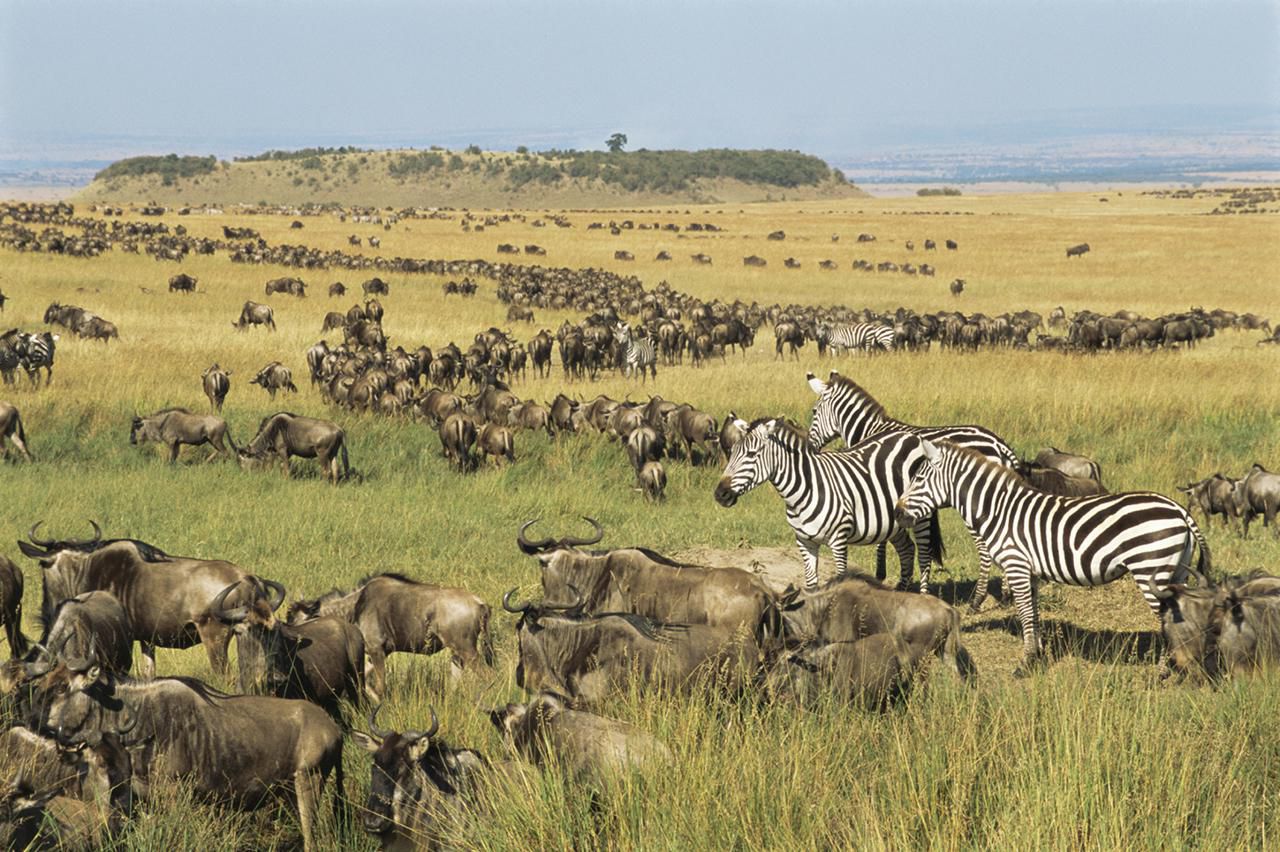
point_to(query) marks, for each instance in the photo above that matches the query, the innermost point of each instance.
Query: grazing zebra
(837, 498)
(862, 336)
(638, 353)
(843, 409)
(1081, 541)
(36, 351)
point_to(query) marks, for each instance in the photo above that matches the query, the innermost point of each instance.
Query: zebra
(844, 409)
(862, 336)
(638, 353)
(36, 351)
(836, 498)
(1081, 541)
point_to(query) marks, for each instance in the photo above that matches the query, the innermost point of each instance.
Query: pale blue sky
(221, 76)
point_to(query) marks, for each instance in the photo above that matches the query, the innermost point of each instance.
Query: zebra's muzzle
(725, 494)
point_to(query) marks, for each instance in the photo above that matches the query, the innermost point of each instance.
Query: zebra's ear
(818, 385)
(931, 451)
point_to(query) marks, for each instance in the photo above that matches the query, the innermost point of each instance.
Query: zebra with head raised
(638, 353)
(1081, 541)
(36, 351)
(843, 409)
(837, 498)
(864, 337)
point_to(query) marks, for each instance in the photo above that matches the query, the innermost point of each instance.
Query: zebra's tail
(1205, 562)
(937, 550)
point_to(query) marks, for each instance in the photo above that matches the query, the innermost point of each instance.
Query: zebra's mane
(868, 400)
(1006, 475)
(789, 434)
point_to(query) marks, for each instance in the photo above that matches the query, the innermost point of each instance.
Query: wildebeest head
(260, 642)
(404, 766)
(536, 669)
(1190, 620)
(545, 545)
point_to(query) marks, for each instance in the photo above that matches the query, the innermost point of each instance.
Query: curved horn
(1156, 593)
(215, 606)
(126, 720)
(97, 532)
(39, 542)
(435, 724)
(506, 604)
(532, 547)
(277, 594)
(579, 542)
(380, 733)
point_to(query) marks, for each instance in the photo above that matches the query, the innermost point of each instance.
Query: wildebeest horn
(506, 603)
(237, 614)
(127, 720)
(277, 594)
(97, 536)
(532, 547)
(39, 542)
(380, 733)
(1156, 593)
(578, 542)
(435, 724)
(41, 664)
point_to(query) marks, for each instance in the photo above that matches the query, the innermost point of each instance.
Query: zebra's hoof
(976, 606)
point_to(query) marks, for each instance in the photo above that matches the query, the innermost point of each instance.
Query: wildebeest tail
(955, 654)
(346, 463)
(1204, 563)
(486, 638)
(22, 436)
(18, 644)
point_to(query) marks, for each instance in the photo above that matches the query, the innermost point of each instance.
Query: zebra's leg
(906, 557)
(984, 572)
(881, 570)
(839, 545)
(809, 553)
(1022, 585)
(923, 534)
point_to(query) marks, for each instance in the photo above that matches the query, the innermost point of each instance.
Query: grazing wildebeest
(332, 320)
(457, 437)
(754, 260)
(701, 259)
(291, 286)
(1070, 464)
(957, 287)
(644, 444)
(246, 749)
(11, 430)
(255, 314)
(1053, 481)
(275, 377)
(337, 288)
(695, 430)
(562, 411)
(1258, 493)
(874, 672)
(1214, 631)
(1078, 250)
(531, 416)
(285, 434)
(1214, 495)
(496, 442)
(590, 748)
(11, 584)
(653, 481)
(182, 283)
(88, 629)
(623, 255)
(174, 427)
(376, 287)
(397, 614)
(951, 245)
(96, 328)
(165, 597)
(520, 313)
(217, 383)
(321, 660)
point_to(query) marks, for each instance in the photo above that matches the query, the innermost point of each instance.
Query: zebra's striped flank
(639, 353)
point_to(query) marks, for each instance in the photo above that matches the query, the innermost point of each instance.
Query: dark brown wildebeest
(930, 245)
(376, 287)
(255, 314)
(957, 286)
(332, 320)
(519, 313)
(1214, 495)
(663, 255)
(296, 225)
(1070, 464)
(827, 265)
(791, 263)
(1078, 250)
(1213, 631)
(640, 581)
(88, 629)
(397, 614)
(591, 749)
(873, 672)
(495, 442)
(373, 310)
(11, 584)
(777, 235)
(290, 286)
(1258, 493)
(531, 416)
(1053, 481)
(96, 328)
(3, 299)
(321, 660)
(866, 238)
(183, 283)
(701, 259)
(11, 431)
(174, 427)
(437, 405)
(508, 248)
(790, 333)
(623, 255)
(849, 609)
(275, 377)
(695, 430)
(537, 250)
(166, 598)
(754, 260)
(562, 411)
(645, 444)
(730, 434)
(337, 288)
(653, 481)
(952, 245)
(457, 437)
(217, 383)
(279, 745)
(285, 434)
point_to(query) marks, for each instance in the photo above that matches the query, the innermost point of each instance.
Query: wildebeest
(653, 480)
(701, 259)
(457, 437)
(496, 443)
(1214, 495)
(873, 672)
(952, 245)
(255, 314)
(183, 283)
(1053, 481)
(623, 255)
(11, 584)
(957, 287)
(644, 444)
(217, 383)
(1070, 464)
(590, 748)
(1228, 629)
(11, 431)
(696, 430)
(1078, 250)
(3, 299)
(397, 614)
(165, 597)
(291, 286)
(285, 434)
(730, 434)
(279, 746)
(520, 313)
(174, 427)
(337, 288)
(790, 333)
(754, 260)
(275, 377)
(96, 328)
(1258, 493)
(332, 320)
(376, 287)
(321, 660)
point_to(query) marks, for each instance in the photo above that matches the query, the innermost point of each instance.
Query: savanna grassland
(1094, 752)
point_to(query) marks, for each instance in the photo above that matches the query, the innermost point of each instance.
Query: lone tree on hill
(616, 142)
